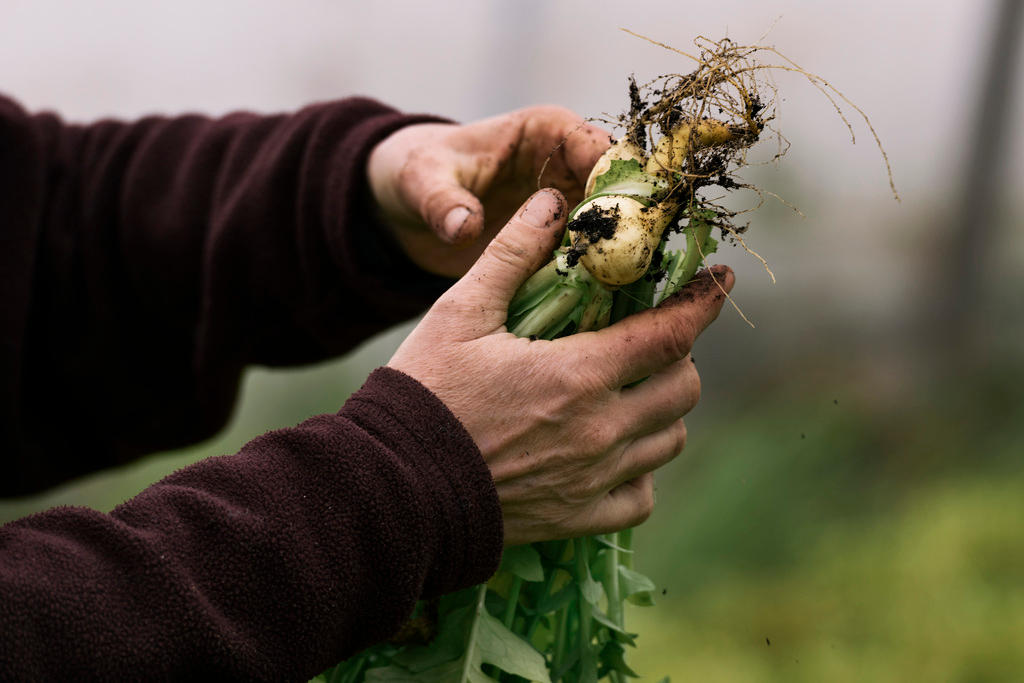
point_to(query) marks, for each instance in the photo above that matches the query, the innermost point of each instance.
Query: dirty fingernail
(543, 209)
(454, 221)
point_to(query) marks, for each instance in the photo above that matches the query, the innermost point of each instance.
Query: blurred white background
(913, 66)
(910, 64)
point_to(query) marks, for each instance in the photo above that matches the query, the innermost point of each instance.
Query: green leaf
(397, 674)
(641, 599)
(636, 587)
(702, 214)
(484, 640)
(552, 603)
(601, 618)
(613, 658)
(710, 246)
(591, 590)
(503, 648)
(606, 542)
(631, 582)
(627, 177)
(448, 645)
(570, 661)
(524, 562)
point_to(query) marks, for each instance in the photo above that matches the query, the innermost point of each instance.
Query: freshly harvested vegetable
(555, 611)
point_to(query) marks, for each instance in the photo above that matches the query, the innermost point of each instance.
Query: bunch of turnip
(555, 610)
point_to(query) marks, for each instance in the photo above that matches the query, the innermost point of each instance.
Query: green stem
(513, 602)
(697, 233)
(549, 313)
(543, 279)
(611, 589)
(626, 543)
(600, 299)
(349, 673)
(534, 622)
(471, 645)
(611, 583)
(560, 638)
(588, 661)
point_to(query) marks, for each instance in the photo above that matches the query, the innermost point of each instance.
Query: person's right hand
(570, 444)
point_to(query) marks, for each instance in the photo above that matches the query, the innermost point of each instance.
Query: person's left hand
(446, 189)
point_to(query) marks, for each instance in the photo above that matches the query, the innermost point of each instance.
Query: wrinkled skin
(570, 445)
(447, 189)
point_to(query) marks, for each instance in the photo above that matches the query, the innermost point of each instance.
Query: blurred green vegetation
(816, 534)
(815, 530)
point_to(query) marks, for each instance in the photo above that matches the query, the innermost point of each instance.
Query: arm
(144, 264)
(314, 541)
(271, 564)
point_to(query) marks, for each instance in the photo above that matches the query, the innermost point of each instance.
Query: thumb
(519, 250)
(453, 213)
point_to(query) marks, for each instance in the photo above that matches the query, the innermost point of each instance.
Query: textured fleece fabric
(143, 265)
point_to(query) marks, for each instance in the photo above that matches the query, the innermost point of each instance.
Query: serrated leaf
(524, 562)
(613, 658)
(602, 618)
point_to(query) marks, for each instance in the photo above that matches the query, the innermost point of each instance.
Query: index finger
(563, 145)
(649, 341)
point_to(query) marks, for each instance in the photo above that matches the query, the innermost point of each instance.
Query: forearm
(156, 259)
(271, 564)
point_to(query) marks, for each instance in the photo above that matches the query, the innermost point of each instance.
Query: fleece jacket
(143, 266)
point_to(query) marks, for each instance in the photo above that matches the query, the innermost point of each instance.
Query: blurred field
(862, 546)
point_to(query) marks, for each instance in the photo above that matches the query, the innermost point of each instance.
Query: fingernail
(543, 209)
(723, 275)
(454, 221)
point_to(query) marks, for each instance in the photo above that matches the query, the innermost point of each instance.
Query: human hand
(447, 189)
(571, 445)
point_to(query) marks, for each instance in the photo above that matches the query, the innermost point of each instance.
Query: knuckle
(677, 336)
(552, 112)
(644, 507)
(671, 446)
(680, 433)
(504, 250)
(582, 375)
(586, 381)
(591, 485)
(601, 438)
(690, 389)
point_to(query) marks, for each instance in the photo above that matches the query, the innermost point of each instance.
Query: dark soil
(702, 283)
(593, 224)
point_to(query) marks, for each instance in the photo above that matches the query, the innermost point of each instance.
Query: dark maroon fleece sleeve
(270, 564)
(144, 264)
